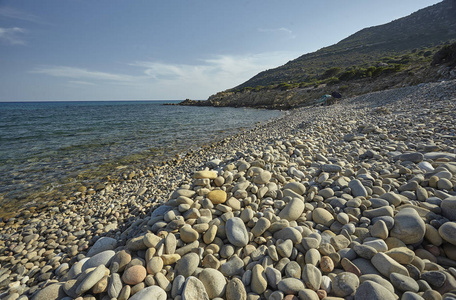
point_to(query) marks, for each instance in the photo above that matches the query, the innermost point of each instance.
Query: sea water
(44, 145)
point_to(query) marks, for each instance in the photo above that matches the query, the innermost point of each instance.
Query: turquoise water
(45, 144)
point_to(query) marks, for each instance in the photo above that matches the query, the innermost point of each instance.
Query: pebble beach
(356, 200)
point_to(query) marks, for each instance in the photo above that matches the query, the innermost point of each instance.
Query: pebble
(408, 226)
(194, 289)
(322, 216)
(448, 232)
(134, 275)
(151, 292)
(236, 232)
(372, 290)
(235, 290)
(217, 196)
(448, 207)
(290, 286)
(187, 265)
(404, 283)
(293, 210)
(386, 265)
(345, 284)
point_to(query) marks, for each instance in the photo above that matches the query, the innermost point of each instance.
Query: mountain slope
(427, 27)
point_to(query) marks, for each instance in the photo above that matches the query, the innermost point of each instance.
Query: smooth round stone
(402, 255)
(261, 226)
(345, 284)
(296, 187)
(102, 244)
(194, 289)
(377, 244)
(289, 233)
(154, 265)
(259, 281)
(290, 286)
(262, 178)
(435, 278)
(292, 269)
(188, 234)
(444, 184)
(103, 258)
(170, 243)
(187, 265)
(379, 230)
(232, 267)
(311, 276)
(377, 279)
(312, 256)
(404, 283)
(285, 249)
(372, 290)
(217, 196)
(51, 292)
(169, 259)
(273, 276)
(411, 296)
(178, 286)
(326, 193)
(293, 210)
(448, 207)
(205, 174)
(433, 236)
(408, 226)
(134, 275)
(343, 218)
(214, 282)
(326, 264)
(415, 157)
(236, 232)
(152, 292)
(378, 212)
(114, 285)
(357, 188)
(235, 290)
(322, 216)
(308, 294)
(448, 232)
(91, 279)
(386, 265)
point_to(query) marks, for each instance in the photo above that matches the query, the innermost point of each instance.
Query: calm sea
(46, 145)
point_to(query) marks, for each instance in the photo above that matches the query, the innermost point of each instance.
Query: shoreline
(105, 172)
(316, 146)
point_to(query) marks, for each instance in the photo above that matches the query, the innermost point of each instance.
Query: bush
(446, 55)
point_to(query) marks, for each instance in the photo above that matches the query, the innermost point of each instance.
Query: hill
(425, 28)
(395, 54)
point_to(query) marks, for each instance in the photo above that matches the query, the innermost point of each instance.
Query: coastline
(296, 147)
(83, 171)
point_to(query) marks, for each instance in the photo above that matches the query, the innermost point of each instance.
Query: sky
(75, 50)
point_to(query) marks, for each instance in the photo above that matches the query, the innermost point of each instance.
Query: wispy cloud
(80, 73)
(12, 36)
(79, 82)
(12, 13)
(283, 30)
(160, 80)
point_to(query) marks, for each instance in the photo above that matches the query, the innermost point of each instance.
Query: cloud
(161, 80)
(79, 82)
(80, 73)
(283, 30)
(12, 36)
(12, 13)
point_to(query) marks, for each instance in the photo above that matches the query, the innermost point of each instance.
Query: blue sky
(163, 50)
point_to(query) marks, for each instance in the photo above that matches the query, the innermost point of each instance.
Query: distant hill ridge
(426, 27)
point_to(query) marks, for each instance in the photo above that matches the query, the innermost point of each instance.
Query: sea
(50, 146)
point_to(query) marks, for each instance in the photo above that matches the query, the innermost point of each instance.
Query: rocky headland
(351, 201)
